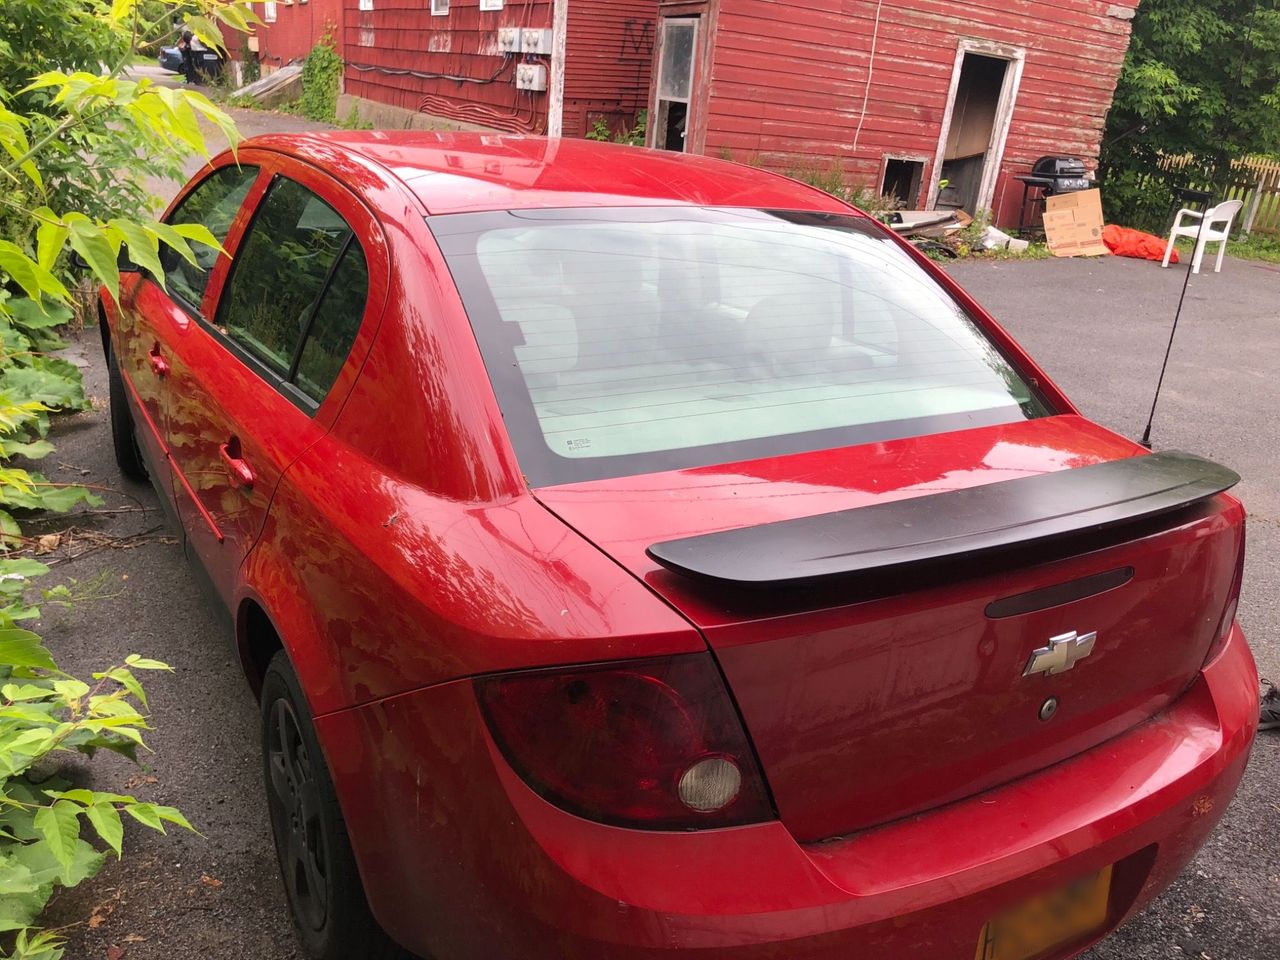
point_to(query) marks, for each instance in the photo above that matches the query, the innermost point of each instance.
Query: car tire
(317, 866)
(123, 437)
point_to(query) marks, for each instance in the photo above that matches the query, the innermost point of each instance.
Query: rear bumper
(462, 860)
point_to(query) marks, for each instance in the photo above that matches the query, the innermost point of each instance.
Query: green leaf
(224, 123)
(53, 78)
(24, 567)
(22, 648)
(51, 235)
(38, 945)
(60, 827)
(199, 233)
(22, 269)
(106, 820)
(20, 910)
(144, 247)
(207, 31)
(90, 241)
(40, 860)
(50, 381)
(83, 797)
(115, 709)
(174, 240)
(38, 316)
(18, 611)
(173, 815)
(126, 748)
(33, 741)
(146, 814)
(141, 663)
(126, 678)
(30, 714)
(71, 689)
(15, 878)
(34, 450)
(10, 533)
(60, 499)
(17, 692)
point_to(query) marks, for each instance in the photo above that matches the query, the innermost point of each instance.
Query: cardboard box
(1073, 224)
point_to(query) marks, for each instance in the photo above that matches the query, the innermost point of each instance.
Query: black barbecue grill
(1049, 177)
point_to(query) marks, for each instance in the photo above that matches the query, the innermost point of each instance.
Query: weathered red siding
(449, 66)
(789, 78)
(298, 27)
(608, 59)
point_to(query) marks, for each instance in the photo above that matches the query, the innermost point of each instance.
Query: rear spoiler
(958, 524)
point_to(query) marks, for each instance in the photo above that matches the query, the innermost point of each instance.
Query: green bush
(251, 69)
(77, 142)
(1133, 197)
(321, 72)
(633, 136)
(45, 712)
(830, 177)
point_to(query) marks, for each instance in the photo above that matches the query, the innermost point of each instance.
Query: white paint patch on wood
(560, 34)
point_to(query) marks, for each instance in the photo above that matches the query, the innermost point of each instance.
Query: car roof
(466, 172)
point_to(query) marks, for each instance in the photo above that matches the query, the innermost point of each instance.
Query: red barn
(541, 66)
(896, 94)
(937, 102)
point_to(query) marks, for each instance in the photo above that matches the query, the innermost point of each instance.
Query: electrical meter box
(509, 39)
(531, 76)
(536, 41)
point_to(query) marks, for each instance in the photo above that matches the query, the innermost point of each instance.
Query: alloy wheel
(295, 803)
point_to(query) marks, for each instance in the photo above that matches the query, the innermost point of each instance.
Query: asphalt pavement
(1098, 327)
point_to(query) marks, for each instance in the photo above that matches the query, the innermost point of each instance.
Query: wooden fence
(1253, 180)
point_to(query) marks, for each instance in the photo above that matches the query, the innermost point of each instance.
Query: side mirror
(123, 263)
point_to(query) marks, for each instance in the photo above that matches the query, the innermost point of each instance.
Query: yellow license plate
(1051, 920)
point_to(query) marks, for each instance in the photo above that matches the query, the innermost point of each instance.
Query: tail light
(654, 744)
(1228, 618)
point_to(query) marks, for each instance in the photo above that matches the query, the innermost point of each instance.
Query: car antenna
(1146, 434)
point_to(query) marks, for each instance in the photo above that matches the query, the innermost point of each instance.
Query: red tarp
(1124, 242)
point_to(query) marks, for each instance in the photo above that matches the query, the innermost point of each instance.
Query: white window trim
(269, 11)
(364, 5)
(1017, 58)
(491, 5)
(439, 8)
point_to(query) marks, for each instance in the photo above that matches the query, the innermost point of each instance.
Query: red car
(644, 556)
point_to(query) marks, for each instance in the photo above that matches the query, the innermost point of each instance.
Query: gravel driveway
(1098, 327)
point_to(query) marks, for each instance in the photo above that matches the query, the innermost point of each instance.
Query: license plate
(1050, 920)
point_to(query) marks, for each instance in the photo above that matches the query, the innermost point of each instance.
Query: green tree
(77, 135)
(1200, 79)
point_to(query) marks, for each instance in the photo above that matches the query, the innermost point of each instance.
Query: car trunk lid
(889, 692)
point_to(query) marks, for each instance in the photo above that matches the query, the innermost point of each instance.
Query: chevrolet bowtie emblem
(1061, 654)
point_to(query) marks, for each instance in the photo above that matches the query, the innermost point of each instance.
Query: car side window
(279, 274)
(213, 204)
(335, 325)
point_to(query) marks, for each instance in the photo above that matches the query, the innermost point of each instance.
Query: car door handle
(237, 465)
(158, 363)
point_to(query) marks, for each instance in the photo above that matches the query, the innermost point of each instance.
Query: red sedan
(643, 556)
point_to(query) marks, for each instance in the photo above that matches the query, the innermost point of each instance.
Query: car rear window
(626, 341)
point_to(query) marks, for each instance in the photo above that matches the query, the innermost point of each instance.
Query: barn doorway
(673, 98)
(975, 126)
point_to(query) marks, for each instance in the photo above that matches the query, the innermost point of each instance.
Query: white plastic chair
(1223, 213)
